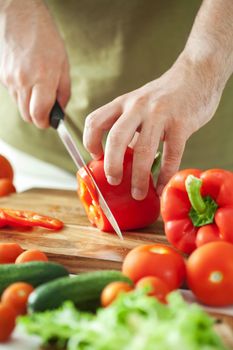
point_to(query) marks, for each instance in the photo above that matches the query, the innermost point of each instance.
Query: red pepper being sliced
(129, 213)
(197, 208)
(26, 218)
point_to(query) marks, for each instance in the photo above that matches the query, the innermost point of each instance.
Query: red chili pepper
(11, 217)
(129, 213)
(197, 207)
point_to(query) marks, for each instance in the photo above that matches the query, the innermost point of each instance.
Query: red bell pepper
(197, 207)
(27, 218)
(129, 213)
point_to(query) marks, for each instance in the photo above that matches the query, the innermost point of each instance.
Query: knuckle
(140, 101)
(37, 113)
(119, 99)
(88, 144)
(159, 106)
(110, 168)
(6, 78)
(141, 179)
(143, 150)
(91, 121)
(41, 70)
(115, 138)
(20, 77)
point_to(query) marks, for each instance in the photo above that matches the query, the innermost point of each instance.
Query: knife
(57, 117)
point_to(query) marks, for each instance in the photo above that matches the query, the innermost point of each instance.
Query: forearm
(210, 44)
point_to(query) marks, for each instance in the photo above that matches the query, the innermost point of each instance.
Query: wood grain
(78, 246)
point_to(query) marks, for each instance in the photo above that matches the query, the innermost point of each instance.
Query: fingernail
(159, 189)
(113, 180)
(138, 194)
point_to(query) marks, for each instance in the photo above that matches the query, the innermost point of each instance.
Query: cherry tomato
(158, 288)
(16, 295)
(156, 260)
(112, 290)
(9, 252)
(7, 321)
(31, 255)
(210, 273)
(6, 170)
(6, 187)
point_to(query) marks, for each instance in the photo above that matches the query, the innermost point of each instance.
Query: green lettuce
(133, 322)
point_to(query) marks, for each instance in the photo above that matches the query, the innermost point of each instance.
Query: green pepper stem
(193, 188)
(156, 163)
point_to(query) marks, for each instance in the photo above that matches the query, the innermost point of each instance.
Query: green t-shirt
(115, 47)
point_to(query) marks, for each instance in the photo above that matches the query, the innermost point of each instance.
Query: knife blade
(57, 122)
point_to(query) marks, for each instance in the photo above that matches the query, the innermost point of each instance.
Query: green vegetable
(133, 322)
(83, 290)
(35, 273)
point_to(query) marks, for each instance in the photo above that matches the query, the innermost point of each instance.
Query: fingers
(96, 124)
(41, 103)
(118, 140)
(144, 154)
(23, 100)
(64, 87)
(173, 149)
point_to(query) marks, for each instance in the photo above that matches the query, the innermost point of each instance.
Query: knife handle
(56, 115)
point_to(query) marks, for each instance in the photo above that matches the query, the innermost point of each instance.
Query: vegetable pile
(134, 321)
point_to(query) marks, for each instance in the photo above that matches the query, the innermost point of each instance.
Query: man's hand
(33, 61)
(168, 109)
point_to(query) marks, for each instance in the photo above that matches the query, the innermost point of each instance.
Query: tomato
(158, 288)
(7, 321)
(31, 255)
(6, 187)
(210, 273)
(112, 290)
(16, 295)
(6, 170)
(156, 260)
(9, 252)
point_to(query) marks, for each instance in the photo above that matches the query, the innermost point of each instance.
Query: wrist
(213, 70)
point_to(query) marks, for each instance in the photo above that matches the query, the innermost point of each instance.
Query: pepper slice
(26, 218)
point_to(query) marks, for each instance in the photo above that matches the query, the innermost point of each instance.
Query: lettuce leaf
(134, 321)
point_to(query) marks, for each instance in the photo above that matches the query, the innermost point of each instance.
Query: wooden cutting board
(79, 246)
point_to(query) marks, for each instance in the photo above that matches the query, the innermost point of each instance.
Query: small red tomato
(156, 260)
(7, 321)
(112, 290)
(9, 252)
(210, 273)
(158, 288)
(16, 295)
(31, 255)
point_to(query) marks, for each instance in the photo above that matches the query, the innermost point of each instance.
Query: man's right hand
(33, 61)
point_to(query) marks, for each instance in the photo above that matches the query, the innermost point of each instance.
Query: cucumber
(34, 273)
(83, 290)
